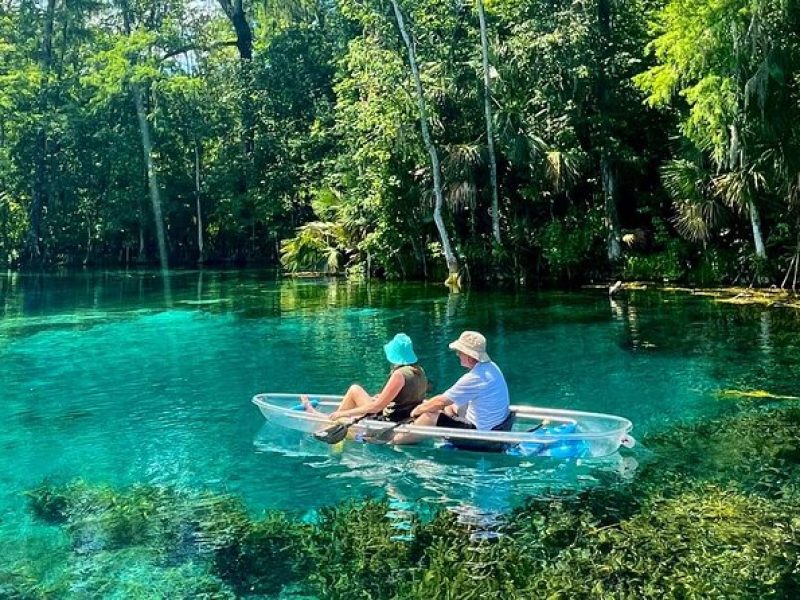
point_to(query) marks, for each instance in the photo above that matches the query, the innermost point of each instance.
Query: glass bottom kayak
(536, 431)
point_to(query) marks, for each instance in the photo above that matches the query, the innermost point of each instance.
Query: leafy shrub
(714, 266)
(666, 265)
(571, 243)
(669, 263)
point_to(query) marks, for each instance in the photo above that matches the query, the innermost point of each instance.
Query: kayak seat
(482, 446)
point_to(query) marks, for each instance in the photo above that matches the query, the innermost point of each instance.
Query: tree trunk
(200, 250)
(234, 10)
(152, 180)
(450, 258)
(88, 256)
(147, 151)
(758, 239)
(487, 109)
(4, 216)
(614, 237)
(737, 161)
(33, 238)
(608, 176)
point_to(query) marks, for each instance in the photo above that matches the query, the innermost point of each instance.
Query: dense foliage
(650, 140)
(711, 514)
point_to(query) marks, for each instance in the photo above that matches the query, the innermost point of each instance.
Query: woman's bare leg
(424, 420)
(355, 397)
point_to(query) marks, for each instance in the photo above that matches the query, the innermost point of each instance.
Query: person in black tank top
(410, 395)
(403, 391)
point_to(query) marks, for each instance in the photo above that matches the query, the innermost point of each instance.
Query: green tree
(727, 67)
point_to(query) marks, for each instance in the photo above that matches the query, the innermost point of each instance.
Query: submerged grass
(711, 514)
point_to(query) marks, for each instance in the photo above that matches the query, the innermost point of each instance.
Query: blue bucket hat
(400, 351)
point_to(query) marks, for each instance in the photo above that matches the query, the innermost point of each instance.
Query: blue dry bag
(314, 403)
(558, 448)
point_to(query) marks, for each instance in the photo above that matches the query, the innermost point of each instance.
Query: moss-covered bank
(712, 513)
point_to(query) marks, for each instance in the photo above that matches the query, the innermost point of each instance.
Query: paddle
(385, 435)
(337, 432)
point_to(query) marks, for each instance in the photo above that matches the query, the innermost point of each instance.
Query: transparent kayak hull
(565, 433)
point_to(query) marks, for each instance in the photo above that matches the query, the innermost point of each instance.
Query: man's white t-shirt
(485, 393)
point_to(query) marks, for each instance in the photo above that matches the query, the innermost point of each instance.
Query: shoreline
(771, 297)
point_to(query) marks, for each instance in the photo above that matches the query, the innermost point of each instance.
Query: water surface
(107, 378)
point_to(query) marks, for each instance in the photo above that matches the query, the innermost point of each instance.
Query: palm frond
(793, 191)
(695, 220)
(333, 260)
(326, 203)
(461, 194)
(460, 159)
(537, 145)
(316, 246)
(684, 179)
(697, 212)
(562, 169)
(737, 189)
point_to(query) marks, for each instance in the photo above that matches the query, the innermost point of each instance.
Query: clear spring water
(107, 378)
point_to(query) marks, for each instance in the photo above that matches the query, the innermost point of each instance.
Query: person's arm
(387, 394)
(457, 397)
(435, 404)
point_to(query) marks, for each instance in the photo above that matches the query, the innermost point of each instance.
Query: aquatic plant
(49, 503)
(355, 552)
(754, 450)
(175, 528)
(711, 514)
(18, 584)
(710, 542)
(133, 574)
(268, 555)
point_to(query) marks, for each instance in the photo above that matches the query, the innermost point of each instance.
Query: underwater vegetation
(713, 513)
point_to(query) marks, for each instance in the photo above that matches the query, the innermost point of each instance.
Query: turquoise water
(106, 377)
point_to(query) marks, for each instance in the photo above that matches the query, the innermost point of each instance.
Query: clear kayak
(536, 431)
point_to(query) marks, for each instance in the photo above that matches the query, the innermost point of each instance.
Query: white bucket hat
(472, 344)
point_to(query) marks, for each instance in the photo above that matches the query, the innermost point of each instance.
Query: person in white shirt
(478, 400)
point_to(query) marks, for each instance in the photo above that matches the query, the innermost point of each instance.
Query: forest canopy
(549, 140)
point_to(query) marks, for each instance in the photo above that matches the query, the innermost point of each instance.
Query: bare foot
(307, 405)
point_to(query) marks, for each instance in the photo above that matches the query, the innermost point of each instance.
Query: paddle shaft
(336, 433)
(383, 434)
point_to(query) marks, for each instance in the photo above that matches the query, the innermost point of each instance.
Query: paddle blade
(332, 435)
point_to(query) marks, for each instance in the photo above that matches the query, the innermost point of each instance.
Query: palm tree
(697, 211)
(318, 246)
(699, 199)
